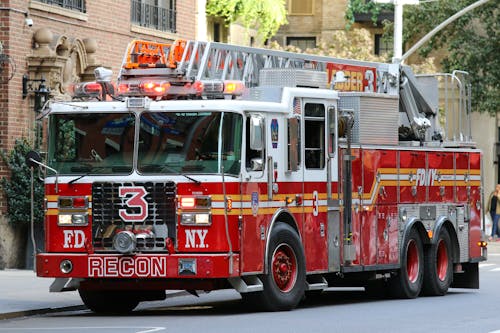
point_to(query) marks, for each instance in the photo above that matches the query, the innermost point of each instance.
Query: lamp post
(398, 25)
(41, 93)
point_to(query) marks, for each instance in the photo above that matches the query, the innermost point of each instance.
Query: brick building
(63, 42)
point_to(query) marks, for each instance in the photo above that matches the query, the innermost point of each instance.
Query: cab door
(314, 147)
(253, 224)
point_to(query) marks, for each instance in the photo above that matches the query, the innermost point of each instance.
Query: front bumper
(154, 266)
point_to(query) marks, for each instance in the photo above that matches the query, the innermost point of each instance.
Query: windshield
(190, 142)
(101, 143)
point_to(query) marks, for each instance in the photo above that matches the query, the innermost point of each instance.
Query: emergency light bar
(86, 89)
(158, 88)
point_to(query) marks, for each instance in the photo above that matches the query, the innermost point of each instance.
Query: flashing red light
(86, 89)
(92, 88)
(123, 88)
(79, 202)
(198, 87)
(155, 88)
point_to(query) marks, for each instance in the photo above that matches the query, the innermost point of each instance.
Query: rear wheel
(438, 272)
(284, 283)
(408, 282)
(108, 302)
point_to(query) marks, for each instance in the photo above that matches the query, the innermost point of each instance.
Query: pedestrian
(494, 210)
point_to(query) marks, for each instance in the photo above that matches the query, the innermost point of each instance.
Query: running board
(316, 282)
(246, 284)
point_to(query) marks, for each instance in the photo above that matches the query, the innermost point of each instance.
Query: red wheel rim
(412, 261)
(442, 260)
(284, 266)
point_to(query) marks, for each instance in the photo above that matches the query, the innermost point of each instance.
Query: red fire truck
(211, 166)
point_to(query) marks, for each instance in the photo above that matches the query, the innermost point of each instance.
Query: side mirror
(33, 159)
(256, 164)
(256, 133)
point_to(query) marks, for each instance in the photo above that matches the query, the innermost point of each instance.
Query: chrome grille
(151, 233)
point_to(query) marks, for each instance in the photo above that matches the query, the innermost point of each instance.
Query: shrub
(17, 187)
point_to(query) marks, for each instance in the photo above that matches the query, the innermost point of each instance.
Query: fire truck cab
(276, 174)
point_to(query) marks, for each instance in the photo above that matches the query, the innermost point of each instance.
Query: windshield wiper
(196, 181)
(77, 178)
(88, 169)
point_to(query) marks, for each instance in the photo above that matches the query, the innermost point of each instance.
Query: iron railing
(159, 17)
(78, 5)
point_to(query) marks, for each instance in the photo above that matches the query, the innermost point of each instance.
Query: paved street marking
(98, 328)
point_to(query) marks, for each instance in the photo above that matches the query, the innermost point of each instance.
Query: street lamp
(41, 93)
(398, 25)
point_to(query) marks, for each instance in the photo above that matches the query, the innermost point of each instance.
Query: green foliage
(472, 43)
(364, 7)
(265, 15)
(17, 187)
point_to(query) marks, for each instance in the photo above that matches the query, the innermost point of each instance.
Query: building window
(154, 14)
(302, 43)
(383, 45)
(78, 5)
(300, 7)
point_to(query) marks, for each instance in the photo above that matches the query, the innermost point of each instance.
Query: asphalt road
(336, 310)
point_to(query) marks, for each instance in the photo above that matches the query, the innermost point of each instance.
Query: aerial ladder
(186, 63)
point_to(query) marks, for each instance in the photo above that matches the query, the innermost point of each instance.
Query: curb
(27, 313)
(35, 312)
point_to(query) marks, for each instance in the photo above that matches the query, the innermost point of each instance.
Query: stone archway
(62, 61)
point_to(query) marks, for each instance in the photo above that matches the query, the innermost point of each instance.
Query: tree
(472, 44)
(266, 15)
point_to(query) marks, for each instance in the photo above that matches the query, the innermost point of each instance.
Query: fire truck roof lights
(159, 88)
(86, 89)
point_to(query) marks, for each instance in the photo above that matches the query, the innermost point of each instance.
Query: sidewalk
(22, 293)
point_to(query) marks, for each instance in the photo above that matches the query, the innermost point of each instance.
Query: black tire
(438, 271)
(285, 282)
(409, 280)
(108, 302)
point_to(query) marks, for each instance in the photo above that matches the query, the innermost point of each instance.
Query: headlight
(73, 219)
(196, 219)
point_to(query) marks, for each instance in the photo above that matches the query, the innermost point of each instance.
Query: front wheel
(285, 280)
(438, 273)
(108, 302)
(408, 282)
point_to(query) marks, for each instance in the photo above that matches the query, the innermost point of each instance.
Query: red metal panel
(387, 170)
(387, 235)
(412, 187)
(314, 232)
(253, 224)
(66, 239)
(369, 237)
(138, 266)
(357, 200)
(440, 176)
(474, 202)
(462, 172)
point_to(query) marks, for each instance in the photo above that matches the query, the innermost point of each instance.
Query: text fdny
(426, 177)
(74, 239)
(196, 238)
(127, 267)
